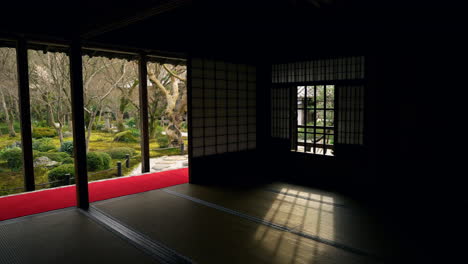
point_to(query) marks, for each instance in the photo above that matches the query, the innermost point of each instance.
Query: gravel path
(164, 163)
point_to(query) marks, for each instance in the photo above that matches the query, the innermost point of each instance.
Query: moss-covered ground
(99, 141)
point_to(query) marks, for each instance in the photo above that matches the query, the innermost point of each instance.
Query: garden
(111, 117)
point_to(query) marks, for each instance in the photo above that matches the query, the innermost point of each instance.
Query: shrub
(13, 157)
(159, 129)
(43, 145)
(98, 161)
(120, 126)
(67, 147)
(125, 136)
(131, 122)
(55, 156)
(135, 132)
(106, 160)
(94, 161)
(42, 123)
(99, 126)
(58, 174)
(68, 160)
(41, 132)
(119, 153)
(163, 141)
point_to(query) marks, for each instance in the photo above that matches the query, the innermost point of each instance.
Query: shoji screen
(350, 113)
(280, 112)
(332, 69)
(223, 107)
(348, 76)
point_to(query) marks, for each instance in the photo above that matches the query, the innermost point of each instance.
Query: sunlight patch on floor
(310, 213)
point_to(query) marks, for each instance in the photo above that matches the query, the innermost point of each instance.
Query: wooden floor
(275, 223)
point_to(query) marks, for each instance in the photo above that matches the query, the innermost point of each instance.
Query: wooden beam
(189, 116)
(144, 132)
(140, 16)
(79, 139)
(25, 113)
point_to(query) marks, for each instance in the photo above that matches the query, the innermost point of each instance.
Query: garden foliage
(41, 132)
(67, 147)
(13, 157)
(98, 161)
(43, 144)
(125, 136)
(120, 153)
(59, 172)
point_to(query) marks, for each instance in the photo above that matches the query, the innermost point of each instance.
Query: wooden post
(25, 114)
(67, 179)
(127, 160)
(144, 141)
(189, 115)
(79, 139)
(119, 168)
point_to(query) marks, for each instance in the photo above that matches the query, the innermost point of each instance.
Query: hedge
(98, 161)
(58, 173)
(120, 153)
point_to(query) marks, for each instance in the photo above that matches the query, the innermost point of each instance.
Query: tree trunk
(70, 124)
(59, 129)
(120, 121)
(107, 125)
(152, 127)
(173, 131)
(51, 118)
(100, 115)
(88, 132)
(9, 121)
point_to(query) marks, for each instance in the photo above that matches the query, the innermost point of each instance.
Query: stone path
(164, 163)
(184, 134)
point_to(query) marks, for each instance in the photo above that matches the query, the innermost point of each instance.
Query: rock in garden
(16, 144)
(44, 162)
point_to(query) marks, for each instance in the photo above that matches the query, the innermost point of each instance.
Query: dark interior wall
(404, 69)
(406, 169)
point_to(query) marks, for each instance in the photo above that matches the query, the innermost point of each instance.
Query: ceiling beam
(161, 8)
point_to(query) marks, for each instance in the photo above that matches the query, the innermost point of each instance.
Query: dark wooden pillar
(25, 114)
(143, 85)
(189, 115)
(79, 139)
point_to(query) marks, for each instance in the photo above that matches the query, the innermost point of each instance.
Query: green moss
(40, 132)
(120, 153)
(125, 136)
(55, 156)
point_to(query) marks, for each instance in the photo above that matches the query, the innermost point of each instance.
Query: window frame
(295, 141)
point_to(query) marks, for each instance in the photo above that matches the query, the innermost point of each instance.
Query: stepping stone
(175, 158)
(160, 167)
(164, 162)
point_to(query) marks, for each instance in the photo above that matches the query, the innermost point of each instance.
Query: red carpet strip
(53, 199)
